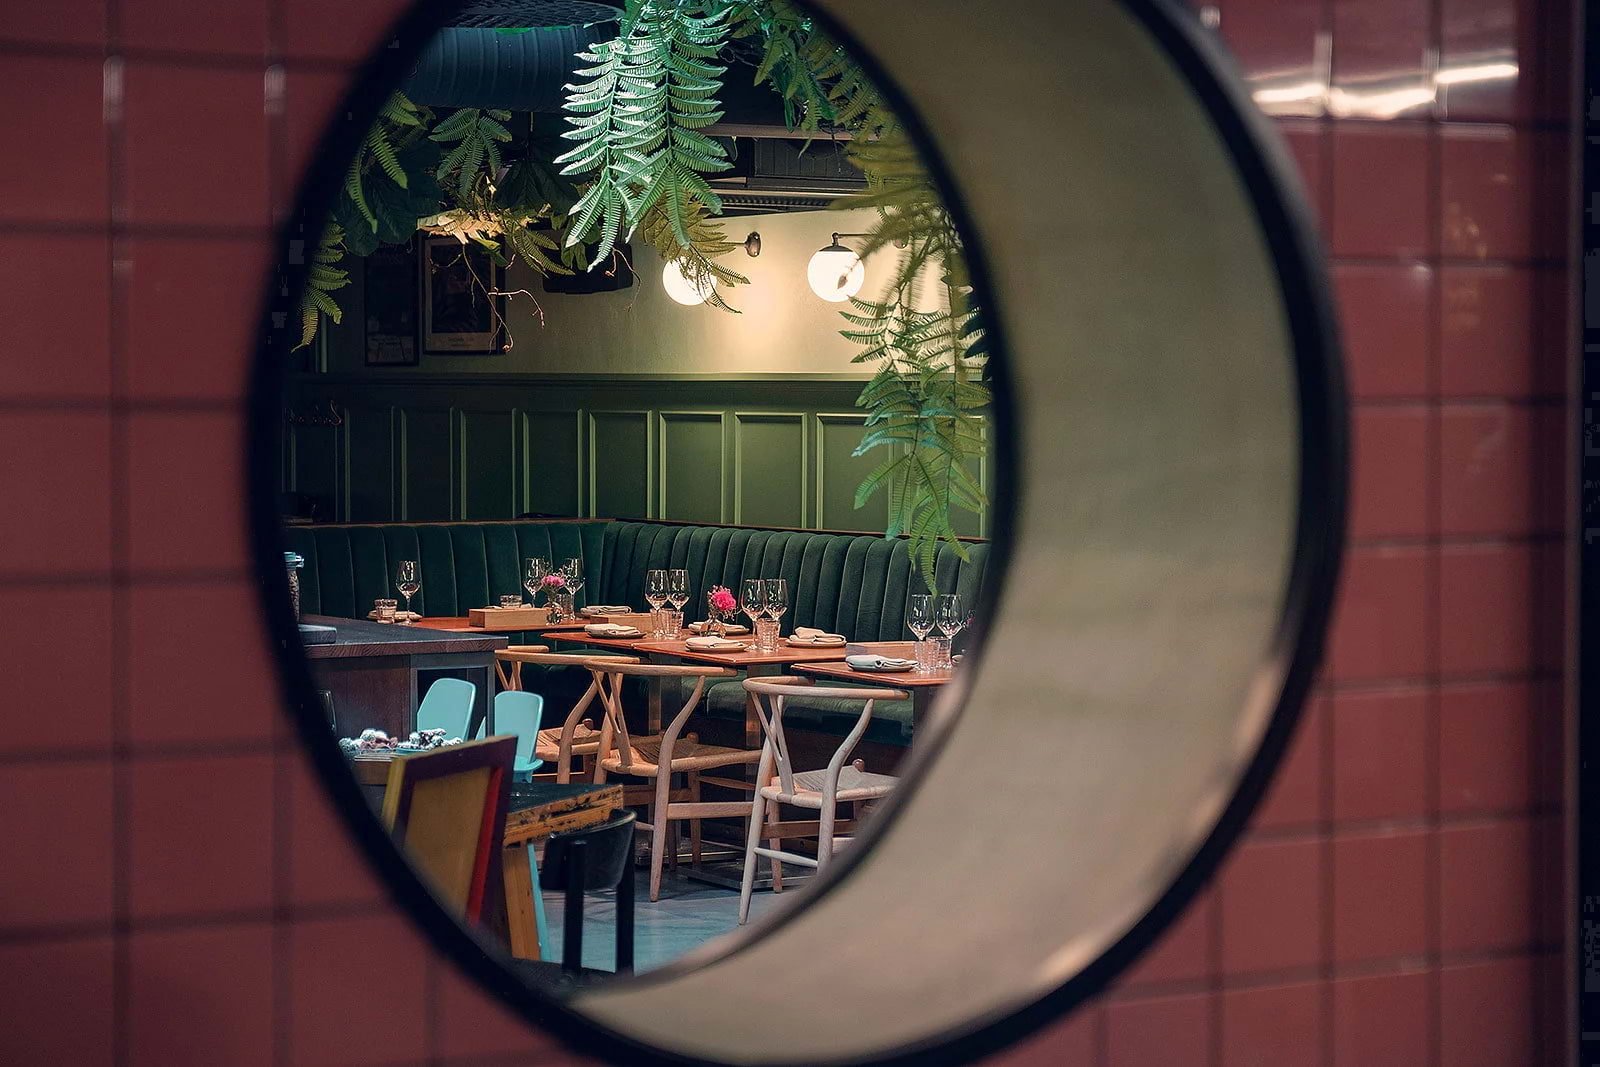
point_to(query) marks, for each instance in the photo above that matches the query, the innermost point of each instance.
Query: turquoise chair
(448, 707)
(518, 712)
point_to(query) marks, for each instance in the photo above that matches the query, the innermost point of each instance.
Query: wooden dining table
(922, 687)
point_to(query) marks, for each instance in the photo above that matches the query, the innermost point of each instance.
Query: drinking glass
(951, 617)
(678, 588)
(671, 625)
(384, 609)
(408, 580)
(534, 568)
(510, 600)
(777, 597)
(919, 620)
(655, 594)
(572, 571)
(753, 600)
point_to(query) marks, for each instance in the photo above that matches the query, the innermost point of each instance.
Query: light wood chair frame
(508, 666)
(767, 697)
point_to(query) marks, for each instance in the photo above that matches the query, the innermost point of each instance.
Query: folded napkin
(611, 629)
(713, 644)
(413, 616)
(606, 609)
(732, 628)
(880, 663)
(810, 635)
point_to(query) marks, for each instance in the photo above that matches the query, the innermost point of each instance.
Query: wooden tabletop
(539, 809)
(459, 624)
(889, 679)
(359, 637)
(622, 644)
(749, 657)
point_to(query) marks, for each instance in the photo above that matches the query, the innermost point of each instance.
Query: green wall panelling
(694, 466)
(487, 464)
(771, 468)
(839, 472)
(428, 465)
(371, 486)
(620, 475)
(313, 460)
(551, 462)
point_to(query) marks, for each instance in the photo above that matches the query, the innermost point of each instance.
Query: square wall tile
(179, 117)
(1276, 47)
(1486, 1013)
(1389, 495)
(59, 836)
(1500, 469)
(1380, 890)
(1502, 193)
(348, 32)
(1271, 906)
(1381, 67)
(186, 472)
(1381, 1020)
(1488, 596)
(1502, 331)
(80, 23)
(64, 176)
(62, 281)
(325, 863)
(56, 1002)
(1383, 618)
(1487, 892)
(474, 1024)
(191, 852)
(57, 471)
(313, 99)
(1295, 796)
(1380, 190)
(63, 699)
(1384, 319)
(183, 1008)
(1171, 1031)
(1182, 952)
(1380, 754)
(1308, 148)
(1279, 1026)
(349, 968)
(193, 643)
(1504, 60)
(214, 29)
(1486, 734)
(194, 316)
(1075, 1041)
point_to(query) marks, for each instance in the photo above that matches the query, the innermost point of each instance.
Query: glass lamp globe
(682, 288)
(836, 273)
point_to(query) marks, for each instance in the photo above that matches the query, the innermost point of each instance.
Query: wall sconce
(682, 288)
(836, 273)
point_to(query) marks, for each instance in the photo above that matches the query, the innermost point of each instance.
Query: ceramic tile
(175, 115)
(1271, 896)
(192, 851)
(1500, 60)
(1383, 616)
(1500, 469)
(1308, 148)
(473, 1024)
(63, 177)
(1501, 193)
(1380, 887)
(1171, 1031)
(60, 676)
(186, 468)
(1389, 494)
(1380, 59)
(184, 1009)
(1488, 603)
(55, 1002)
(1381, 1020)
(340, 971)
(1501, 331)
(347, 33)
(1486, 1013)
(1380, 190)
(1183, 952)
(313, 97)
(1279, 1026)
(194, 316)
(61, 284)
(1380, 754)
(1072, 1041)
(72, 534)
(80, 23)
(214, 29)
(325, 866)
(1276, 47)
(58, 816)
(1384, 319)
(1486, 893)
(1295, 796)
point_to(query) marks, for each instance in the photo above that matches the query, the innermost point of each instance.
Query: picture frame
(390, 294)
(456, 314)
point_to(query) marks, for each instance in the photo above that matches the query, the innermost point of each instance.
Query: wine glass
(951, 617)
(408, 580)
(572, 571)
(919, 620)
(655, 594)
(777, 597)
(534, 568)
(753, 601)
(678, 588)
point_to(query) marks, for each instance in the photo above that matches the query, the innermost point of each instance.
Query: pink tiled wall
(184, 895)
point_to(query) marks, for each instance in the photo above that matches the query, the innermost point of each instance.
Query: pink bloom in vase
(554, 581)
(721, 599)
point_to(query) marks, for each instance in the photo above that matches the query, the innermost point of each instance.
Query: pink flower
(721, 599)
(554, 581)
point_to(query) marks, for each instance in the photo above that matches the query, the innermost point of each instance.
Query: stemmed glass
(678, 588)
(655, 594)
(572, 571)
(534, 568)
(777, 597)
(408, 580)
(753, 601)
(951, 617)
(919, 620)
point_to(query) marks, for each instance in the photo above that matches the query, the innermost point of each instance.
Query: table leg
(522, 920)
(652, 689)
(752, 721)
(921, 700)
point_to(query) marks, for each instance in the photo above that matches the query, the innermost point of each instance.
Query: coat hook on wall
(316, 417)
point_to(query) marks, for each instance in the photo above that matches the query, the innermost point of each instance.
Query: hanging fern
(324, 278)
(477, 134)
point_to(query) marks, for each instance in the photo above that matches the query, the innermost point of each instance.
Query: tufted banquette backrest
(854, 584)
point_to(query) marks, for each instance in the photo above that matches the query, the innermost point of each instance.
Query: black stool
(599, 857)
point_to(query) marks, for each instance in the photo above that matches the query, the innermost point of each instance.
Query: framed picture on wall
(389, 276)
(459, 316)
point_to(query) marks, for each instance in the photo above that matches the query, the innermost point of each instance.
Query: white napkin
(611, 629)
(713, 644)
(880, 663)
(606, 609)
(732, 627)
(810, 635)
